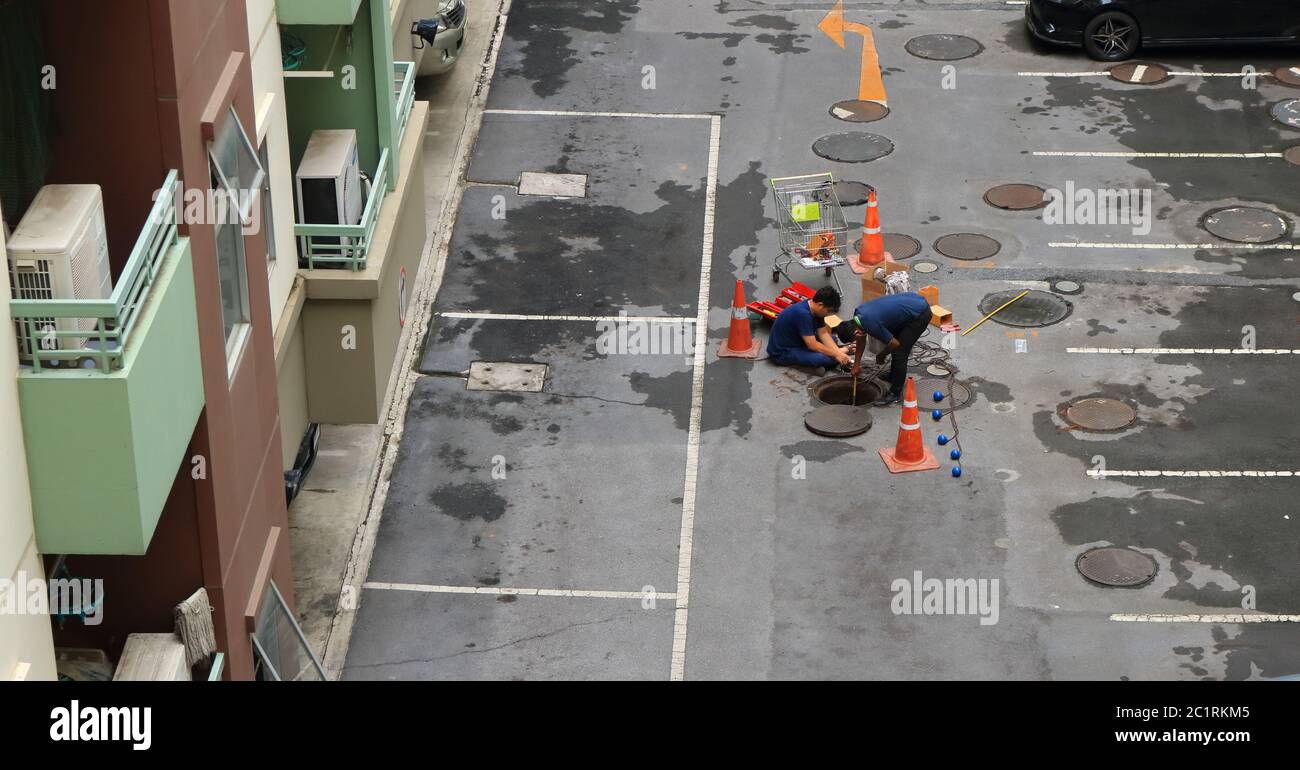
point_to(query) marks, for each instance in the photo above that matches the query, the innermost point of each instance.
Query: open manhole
(943, 47)
(851, 193)
(1292, 155)
(1246, 224)
(967, 246)
(1016, 197)
(1066, 286)
(1035, 309)
(1116, 567)
(837, 390)
(925, 267)
(1100, 414)
(897, 245)
(1287, 113)
(838, 420)
(1139, 73)
(853, 147)
(858, 111)
(519, 378)
(955, 395)
(1288, 76)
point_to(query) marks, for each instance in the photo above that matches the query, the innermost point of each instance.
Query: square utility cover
(519, 378)
(554, 185)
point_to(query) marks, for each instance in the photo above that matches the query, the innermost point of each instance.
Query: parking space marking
(1091, 154)
(1245, 617)
(1188, 351)
(564, 593)
(1099, 474)
(1223, 246)
(591, 318)
(585, 114)
(677, 670)
(1142, 68)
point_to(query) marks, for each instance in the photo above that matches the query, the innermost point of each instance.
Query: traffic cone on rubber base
(740, 343)
(872, 249)
(909, 453)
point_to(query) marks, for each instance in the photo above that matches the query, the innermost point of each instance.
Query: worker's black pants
(907, 338)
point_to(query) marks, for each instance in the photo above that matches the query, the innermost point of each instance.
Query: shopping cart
(811, 224)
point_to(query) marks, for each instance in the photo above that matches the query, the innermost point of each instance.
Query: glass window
(238, 179)
(281, 652)
(268, 215)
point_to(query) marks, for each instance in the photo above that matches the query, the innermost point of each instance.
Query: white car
(443, 51)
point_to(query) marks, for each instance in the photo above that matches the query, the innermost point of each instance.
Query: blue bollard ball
(937, 415)
(943, 439)
(938, 396)
(956, 472)
(955, 454)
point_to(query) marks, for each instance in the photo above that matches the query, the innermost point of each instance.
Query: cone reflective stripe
(873, 243)
(909, 453)
(740, 343)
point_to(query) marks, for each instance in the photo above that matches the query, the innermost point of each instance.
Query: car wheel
(1111, 36)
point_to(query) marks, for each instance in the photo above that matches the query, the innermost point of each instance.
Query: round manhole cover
(1246, 224)
(853, 147)
(1289, 76)
(1100, 414)
(955, 396)
(1287, 113)
(1292, 155)
(967, 246)
(1139, 73)
(897, 245)
(943, 47)
(1066, 287)
(937, 371)
(1037, 308)
(1016, 197)
(1116, 567)
(925, 267)
(858, 111)
(838, 420)
(851, 193)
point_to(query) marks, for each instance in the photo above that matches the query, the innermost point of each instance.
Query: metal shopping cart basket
(813, 232)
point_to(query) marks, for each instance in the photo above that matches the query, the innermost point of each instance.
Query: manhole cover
(857, 111)
(1066, 287)
(1100, 414)
(899, 246)
(955, 396)
(553, 185)
(838, 420)
(1287, 113)
(937, 371)
(521, 378)
(1037, 308)
(1292, 155)
(1139, 73)
(1016, 197)
(853, 147)
(1246, 224)
(1289, 76)
(925, 267)
(851, 193)
(1116, 567)
(943, 47)
(837, 390)
(967, 246)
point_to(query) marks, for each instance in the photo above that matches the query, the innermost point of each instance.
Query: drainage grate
(852, 147)
(553, 185)
(838, 420)
(1139, 73)
(1116, 567)
(851, 193)
(1064, 286)
(1035, 309)
(1287, 113)
(967, 246)
(858, 111)
(1100, 414)
(943, 47)
(1016, 197)
(898, 246)
(519, 378)
(1292, 155)
(1288, 76)
(954, 397)
(1246, 224)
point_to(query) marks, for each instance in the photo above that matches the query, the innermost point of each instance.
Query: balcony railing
(345, 246)
(404, 82)
(101, 328)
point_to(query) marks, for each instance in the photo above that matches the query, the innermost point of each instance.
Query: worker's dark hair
(828, 297)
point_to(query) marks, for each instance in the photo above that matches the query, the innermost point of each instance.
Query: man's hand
(842, 357)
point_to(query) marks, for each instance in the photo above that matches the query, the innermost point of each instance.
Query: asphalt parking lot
(656, 512)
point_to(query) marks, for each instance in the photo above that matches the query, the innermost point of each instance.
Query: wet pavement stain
(466, 502)
(671, 394)
(819, 451)
(730, 39)
(542, 26)
(766, 21)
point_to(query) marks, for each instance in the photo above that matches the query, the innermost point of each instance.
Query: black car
(1112, 30)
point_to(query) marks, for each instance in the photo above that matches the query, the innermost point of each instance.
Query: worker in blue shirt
(897, 321)
(800, 336)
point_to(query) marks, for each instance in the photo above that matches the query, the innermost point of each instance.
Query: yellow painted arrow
(871, 86)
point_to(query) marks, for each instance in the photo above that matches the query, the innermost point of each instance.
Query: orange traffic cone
(739, 343)
(873, 243)
(910, 453)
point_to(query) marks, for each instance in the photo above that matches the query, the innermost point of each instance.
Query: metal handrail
(352, 246)
(404, 72)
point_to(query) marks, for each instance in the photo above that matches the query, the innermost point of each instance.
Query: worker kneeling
(895, 322)
(800, 336)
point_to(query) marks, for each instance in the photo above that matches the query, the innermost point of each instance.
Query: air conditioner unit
(60, 251)
(329, 183)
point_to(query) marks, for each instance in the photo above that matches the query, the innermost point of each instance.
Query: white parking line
(584, 114)
(1089, 154)
(565, 593)
(1177, 246)
(1245, 617)
(1187, 351)
(687, 540)
(1142, 68)
(592, 318)
(1097, 474)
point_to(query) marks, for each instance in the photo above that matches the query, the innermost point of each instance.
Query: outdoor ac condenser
(60, 251)
(329, 183)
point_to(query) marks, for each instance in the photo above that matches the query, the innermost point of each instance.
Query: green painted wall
(103, 449)
(316, 11)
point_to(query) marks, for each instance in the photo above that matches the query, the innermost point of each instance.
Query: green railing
(45, 326)
(404, 80)
(335, 246)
